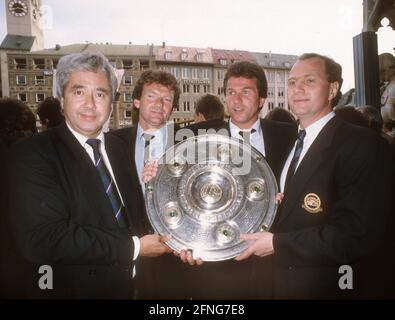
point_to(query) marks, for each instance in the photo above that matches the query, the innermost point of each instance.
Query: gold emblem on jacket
(312, 203)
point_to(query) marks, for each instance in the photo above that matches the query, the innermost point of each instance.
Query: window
(220, 90)
(199, 56)
(39, 80)
(280, 92)
(220, 75)
(187, 106)
(185, 73)
(184, 54)
(127, 80)
(128, 114)
(127, 64)
(22, 97)
(205, 73)
(144, 65)
(185, 88)
(40, 97)
(175, 72)
(270, 76)
(55, 63)
(206, 88)
(196, 88)
(21, 79)
(167, 55)
(223, 62)
(39, 64)
(271, 105)
(20, 63)
(270, 92)
(281, 105)
(195, 73)
(127, 97)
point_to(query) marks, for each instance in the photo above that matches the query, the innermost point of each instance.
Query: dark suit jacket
(231, 279)
(61, 216)
(345, 168)
(278, 139)
(162, 277)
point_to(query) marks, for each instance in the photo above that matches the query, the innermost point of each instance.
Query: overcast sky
(287, 26)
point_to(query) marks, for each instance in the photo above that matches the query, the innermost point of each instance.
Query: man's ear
(261, 103)
(333, 90)
(136, 103)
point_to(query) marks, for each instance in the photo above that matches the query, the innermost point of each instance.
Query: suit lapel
(269, 141)
(84, 173)
(309, 165)
(117, 154)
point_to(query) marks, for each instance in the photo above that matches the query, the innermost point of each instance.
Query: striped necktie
(295, 159)
(147, 152)
(246, 135)
(109, 184)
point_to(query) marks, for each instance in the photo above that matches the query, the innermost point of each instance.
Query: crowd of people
(74, 196)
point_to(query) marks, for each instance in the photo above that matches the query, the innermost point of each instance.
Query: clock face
(18, 8)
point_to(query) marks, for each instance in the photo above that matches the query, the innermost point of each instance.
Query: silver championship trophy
(208, 190)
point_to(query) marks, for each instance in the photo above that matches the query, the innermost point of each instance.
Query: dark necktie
(246, 135)
(108, 183)
(147, 138)
(295, 159)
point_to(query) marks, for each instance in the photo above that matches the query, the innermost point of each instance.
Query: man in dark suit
(155, 95)
(335, 189)
(71, 205)
(246, 90)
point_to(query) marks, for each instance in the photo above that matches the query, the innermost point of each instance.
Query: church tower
(24, 31)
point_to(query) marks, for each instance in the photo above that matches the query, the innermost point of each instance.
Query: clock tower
(23, 24)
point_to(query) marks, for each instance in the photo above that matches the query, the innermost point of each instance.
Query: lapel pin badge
(312, 203)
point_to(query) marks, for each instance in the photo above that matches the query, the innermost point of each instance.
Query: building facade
(28, 70)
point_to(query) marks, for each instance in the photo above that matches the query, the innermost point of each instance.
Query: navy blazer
(61, 216)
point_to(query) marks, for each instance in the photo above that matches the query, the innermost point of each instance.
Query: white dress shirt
(157, 148)
(89, 150)
(256, 138)
(312, 132)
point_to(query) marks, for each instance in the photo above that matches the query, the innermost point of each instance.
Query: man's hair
(160, 77)
(281, 115)
(85, 61)
(248, 70)
(211, 107)
(333, 71)
(373, 116)
(16, 119)
(51, 110)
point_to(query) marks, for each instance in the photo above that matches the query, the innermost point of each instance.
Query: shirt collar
(314, 129)
(235, 129)
(162, 130)
(81, 138)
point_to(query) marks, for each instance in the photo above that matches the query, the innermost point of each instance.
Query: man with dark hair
(209, 113)
(281, 115)
(245, 92)
(209, 107)
(330, 219)
(71, 197)
(50, 113)
(16, 120)
(155, 95)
